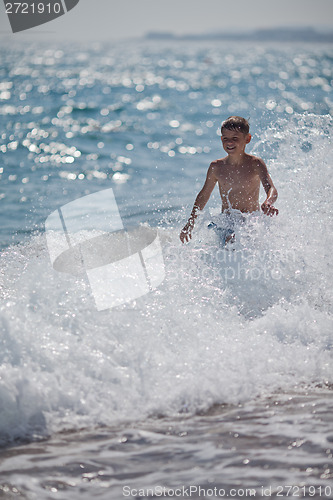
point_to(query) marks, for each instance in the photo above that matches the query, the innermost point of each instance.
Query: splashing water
(225, 325)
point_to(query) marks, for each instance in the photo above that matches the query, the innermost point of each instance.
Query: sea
(218, 382)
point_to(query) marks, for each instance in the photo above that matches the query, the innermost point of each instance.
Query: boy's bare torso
(238, 175)
(239, 184)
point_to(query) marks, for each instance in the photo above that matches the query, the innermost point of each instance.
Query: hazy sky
(110, 19)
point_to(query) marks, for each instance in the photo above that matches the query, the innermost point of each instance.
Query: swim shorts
(225, 224)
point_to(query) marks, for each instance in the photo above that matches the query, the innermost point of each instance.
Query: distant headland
(306, 34)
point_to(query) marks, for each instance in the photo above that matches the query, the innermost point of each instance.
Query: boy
(238, 176)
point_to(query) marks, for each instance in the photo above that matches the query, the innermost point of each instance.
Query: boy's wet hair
(236, 123)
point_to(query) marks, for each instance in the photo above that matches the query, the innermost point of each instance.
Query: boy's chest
(237, 178)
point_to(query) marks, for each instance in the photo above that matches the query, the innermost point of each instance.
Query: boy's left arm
(271, 191)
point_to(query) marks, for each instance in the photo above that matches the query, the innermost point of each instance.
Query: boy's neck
(236, 159)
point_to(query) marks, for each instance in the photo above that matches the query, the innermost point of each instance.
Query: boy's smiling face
(234, 141)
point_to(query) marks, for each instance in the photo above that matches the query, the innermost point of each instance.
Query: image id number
(32, 8)
(302, 491)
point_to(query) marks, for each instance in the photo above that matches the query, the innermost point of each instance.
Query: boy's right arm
(199, 203)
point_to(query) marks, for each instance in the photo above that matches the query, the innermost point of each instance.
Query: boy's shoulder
(216, 167)
(256, 162)
(250, 159)
(219, 162)
(254, 159)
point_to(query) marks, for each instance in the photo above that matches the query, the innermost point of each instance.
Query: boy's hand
(268, 208)
(185, 234)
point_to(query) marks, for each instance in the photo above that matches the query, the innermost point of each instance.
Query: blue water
(226, 338)
(75, 120)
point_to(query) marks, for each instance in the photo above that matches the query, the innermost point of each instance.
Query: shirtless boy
(238, 176)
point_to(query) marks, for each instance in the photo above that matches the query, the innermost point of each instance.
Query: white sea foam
(224, 326)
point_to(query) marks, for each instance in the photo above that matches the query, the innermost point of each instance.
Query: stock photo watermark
(194, 491)
(87, 237)
(31, 13)
(188, 492)
(228, 265)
